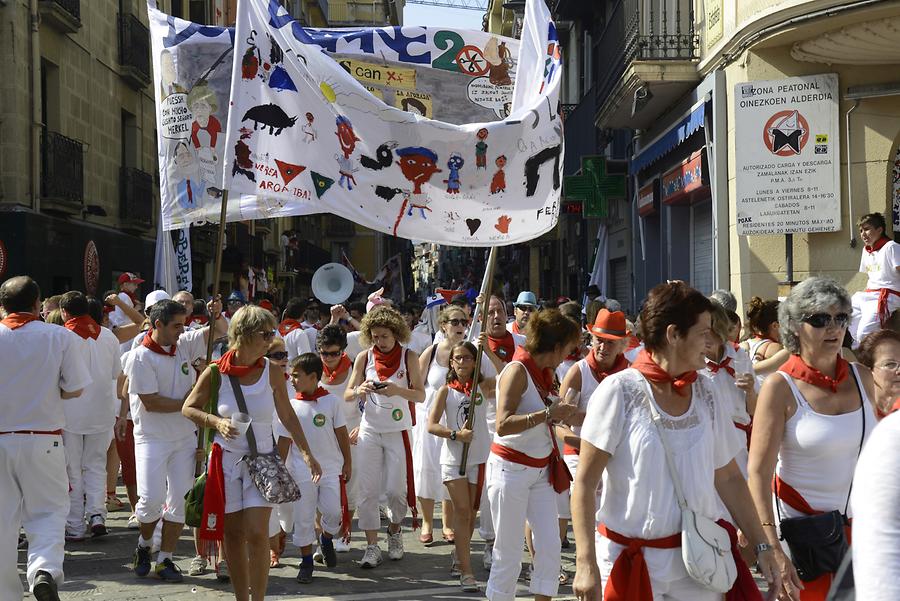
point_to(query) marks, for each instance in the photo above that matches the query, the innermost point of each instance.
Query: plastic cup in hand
(240, 422)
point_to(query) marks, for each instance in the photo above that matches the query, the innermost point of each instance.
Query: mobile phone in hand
(380, 385)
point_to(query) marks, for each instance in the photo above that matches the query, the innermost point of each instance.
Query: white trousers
(86, 467)
(519, 493)
(165, 473)
(33, 493)
(485, 520)
(324, 496)
(381, 469)
(865, 319)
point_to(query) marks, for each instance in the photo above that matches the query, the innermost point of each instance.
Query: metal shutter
(702, 247)
(621, 283)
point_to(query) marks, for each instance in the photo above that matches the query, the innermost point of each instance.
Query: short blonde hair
(721, 324)
(247, 321)
(383, 317)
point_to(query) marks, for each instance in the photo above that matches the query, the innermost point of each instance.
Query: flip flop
(426, 539)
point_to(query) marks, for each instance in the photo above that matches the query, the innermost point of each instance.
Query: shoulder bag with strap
(193, 500)
(818, 543)
(705, 546)
(267, 471)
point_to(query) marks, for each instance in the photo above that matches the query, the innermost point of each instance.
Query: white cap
(154, 297)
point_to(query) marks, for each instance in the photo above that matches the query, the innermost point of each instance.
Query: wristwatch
(762, 548)
(453, 435)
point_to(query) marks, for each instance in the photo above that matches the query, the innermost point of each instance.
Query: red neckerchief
(107, 309)
(651, 370)
(724, 364)
(797, 368)
(317, 394)
(201, 319)
(387, 364)
(466, 388)
(154, 346)
(212, 524)
(515, 327)
(84, 326)
(287, 326)
(342, 367)
(17, 320)
(228, 368)
(877, 246)
(576, 356)
(543, 378)
(503, 347)
(618, 365)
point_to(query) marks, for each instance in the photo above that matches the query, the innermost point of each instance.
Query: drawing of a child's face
(500, 162)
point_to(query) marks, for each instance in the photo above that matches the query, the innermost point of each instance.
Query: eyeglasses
(267, 335)
(277, 355)
(526, 308)
(823, 320)
(889, 366)
(330, 353)
(463, 359)
(458, 322)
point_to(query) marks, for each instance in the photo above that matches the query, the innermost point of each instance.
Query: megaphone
(332, 283)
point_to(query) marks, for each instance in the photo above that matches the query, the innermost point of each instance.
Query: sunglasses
(330, 353)
(823, 320)
(267, 335)
(526, 308)
(278, 355)
(458, 322)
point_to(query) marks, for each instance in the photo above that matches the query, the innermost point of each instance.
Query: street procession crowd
(684, 446)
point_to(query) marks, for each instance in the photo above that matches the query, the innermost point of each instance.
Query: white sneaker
(372, 557)
(134, 523)
(198, 566)
(341, 546)
(318, 556)
(395, 545)
(488, 558)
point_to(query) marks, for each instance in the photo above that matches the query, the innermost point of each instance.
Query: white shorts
(240, 491)
(451, 472)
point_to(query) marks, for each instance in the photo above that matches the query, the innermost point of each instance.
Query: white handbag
(705, 546)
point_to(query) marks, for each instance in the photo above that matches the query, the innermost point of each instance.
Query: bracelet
(547, 415)
(528, 420)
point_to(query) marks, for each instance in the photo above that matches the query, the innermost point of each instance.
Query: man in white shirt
(160, 376)
(89, 420)
(293, 331)
(128, 285)
(525, 305)
(42, 365)
(880, 260)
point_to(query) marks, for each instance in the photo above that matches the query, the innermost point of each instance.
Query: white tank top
(818, 452)
(383, 414)
(534, 442)
(260, 406)
(588, 385)
(434, 379)
(456, 412)
(352, 414)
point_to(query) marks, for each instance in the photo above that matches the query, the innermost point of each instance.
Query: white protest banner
(192, 81)
(440, 153)
(787, 136)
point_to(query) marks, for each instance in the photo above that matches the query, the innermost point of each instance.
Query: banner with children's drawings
(412, 131)
(192, 81)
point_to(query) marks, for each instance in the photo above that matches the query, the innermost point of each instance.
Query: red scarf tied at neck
(289, 325)
(542, 378)
(651, 370)
(228, 368)
(797, 368)
(315, 395)
(155, 347)
(14, 321)
(877, 246)
(342, 367)
(84, 326)
(387, 364)
(620, 363)
(504, 347)
(725, 364)
(458, 386)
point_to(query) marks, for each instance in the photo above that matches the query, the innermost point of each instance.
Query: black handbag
(818, 543)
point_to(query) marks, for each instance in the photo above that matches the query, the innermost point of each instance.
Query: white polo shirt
(38, 359)
(881, 266)
(95, 410)
(296, 343)
(318, 419)
(172, 377)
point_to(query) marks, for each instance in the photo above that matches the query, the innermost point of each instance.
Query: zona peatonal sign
(787, 155)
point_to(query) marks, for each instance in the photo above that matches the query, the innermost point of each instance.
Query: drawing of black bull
(271, 116)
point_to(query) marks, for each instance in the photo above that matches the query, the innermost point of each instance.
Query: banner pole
(486, 291)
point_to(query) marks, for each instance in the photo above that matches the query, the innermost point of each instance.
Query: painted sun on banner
(411, 131)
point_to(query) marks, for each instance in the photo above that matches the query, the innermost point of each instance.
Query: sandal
(468, 583)
(274, 559)
(563, 577)
(426, 539)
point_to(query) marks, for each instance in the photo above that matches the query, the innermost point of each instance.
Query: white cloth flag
(411, 131)
(164, 269)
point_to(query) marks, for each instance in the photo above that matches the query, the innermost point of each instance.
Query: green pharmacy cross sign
(594, 186)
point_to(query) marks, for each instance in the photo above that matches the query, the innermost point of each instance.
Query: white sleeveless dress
(427, 447)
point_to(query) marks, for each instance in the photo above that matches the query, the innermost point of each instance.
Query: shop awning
(670, 139)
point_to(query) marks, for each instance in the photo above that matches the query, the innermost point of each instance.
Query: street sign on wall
(787, 162)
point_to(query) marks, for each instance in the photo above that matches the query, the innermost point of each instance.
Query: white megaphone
(332, 283)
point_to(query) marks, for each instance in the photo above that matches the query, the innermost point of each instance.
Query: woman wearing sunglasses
(281, 520)
(434, 363)
(880, 352)
(245, 528)
(811, 420)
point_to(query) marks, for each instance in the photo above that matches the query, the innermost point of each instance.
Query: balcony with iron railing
(649, 49)
(64, 15)
(134, 51)
(135, 199)
(62, 173)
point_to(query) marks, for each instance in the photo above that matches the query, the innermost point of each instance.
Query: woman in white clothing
(386, 382)
(434, 364)
(880, 352)
(246, 513)
(764, 346)
(523, 450)
(810, 422)
(638, 525)
(448, 420)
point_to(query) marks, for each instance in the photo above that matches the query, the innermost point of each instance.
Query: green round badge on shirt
(478, 399)
(319, 420)
(184, 368)
(397, 414)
